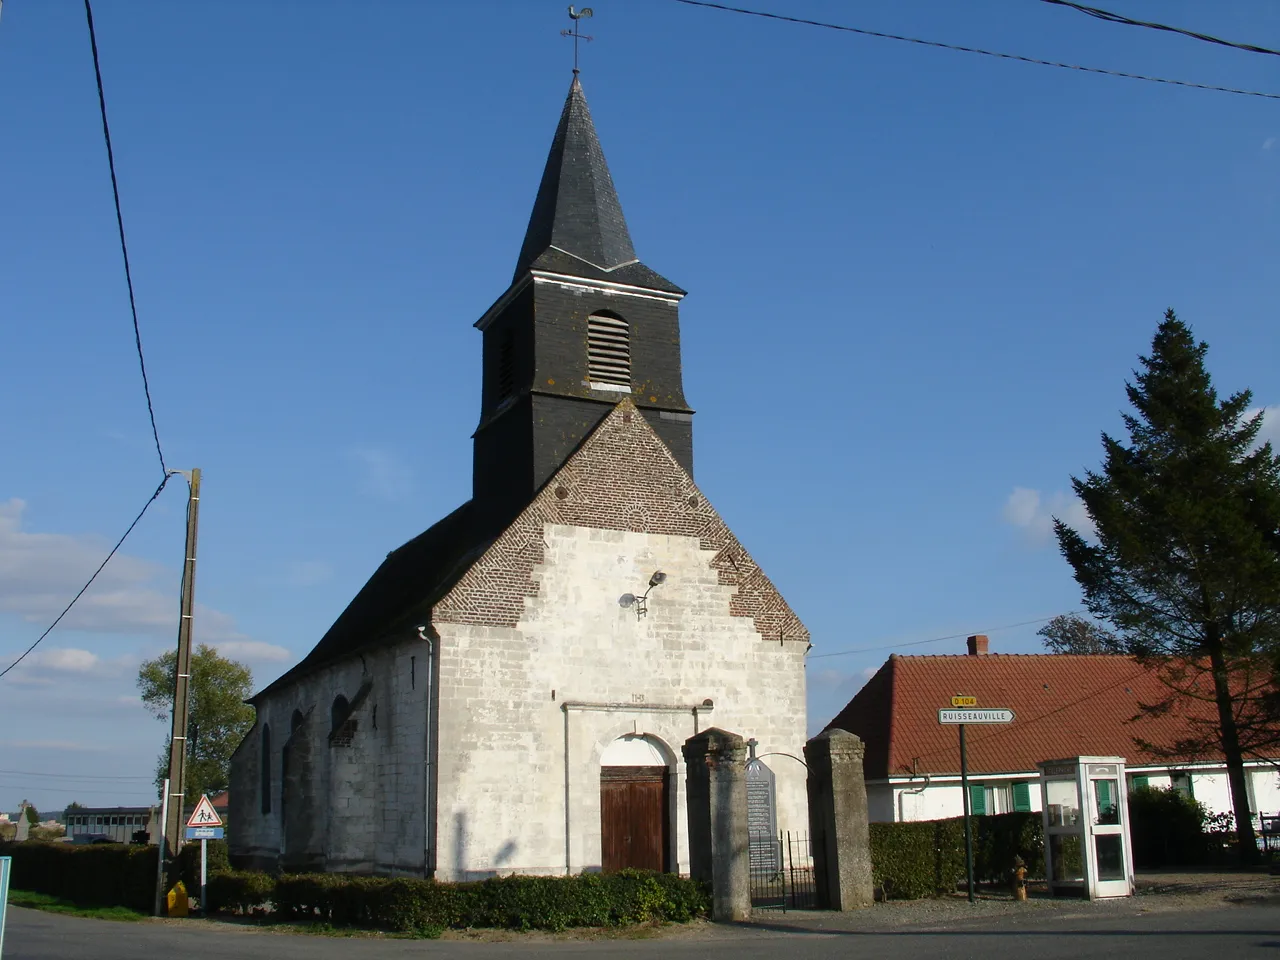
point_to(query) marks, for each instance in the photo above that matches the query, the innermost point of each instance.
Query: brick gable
(623, 477)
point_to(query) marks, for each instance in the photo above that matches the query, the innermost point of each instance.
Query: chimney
(978, 645)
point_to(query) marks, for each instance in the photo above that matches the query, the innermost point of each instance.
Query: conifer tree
(1185, 558)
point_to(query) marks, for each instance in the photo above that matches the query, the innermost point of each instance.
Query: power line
(952, 636)
(1130, 22)
(68, 607)
(978, 50)
(124, 248)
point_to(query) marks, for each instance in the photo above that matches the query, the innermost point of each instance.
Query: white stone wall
(369, 797)
(519, 788)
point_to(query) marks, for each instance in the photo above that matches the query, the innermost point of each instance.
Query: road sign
(205, 833)
(975, 716)
(964, 701)
(204, 815)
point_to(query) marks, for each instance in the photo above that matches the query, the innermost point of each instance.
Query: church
(510, 690)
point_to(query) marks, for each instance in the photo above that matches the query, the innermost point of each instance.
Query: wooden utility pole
(182, 680)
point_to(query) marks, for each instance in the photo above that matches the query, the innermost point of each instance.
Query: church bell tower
(583, 325)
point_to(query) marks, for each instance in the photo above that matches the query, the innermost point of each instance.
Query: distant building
(1064, 706)
(117, 824)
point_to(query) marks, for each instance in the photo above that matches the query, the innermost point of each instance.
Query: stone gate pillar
(838, 820)
(717, 800)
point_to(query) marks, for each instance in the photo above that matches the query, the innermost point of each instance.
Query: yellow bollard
(178, 900)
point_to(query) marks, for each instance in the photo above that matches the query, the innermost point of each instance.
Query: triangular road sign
(204, 815)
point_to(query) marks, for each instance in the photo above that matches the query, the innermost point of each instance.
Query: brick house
(510, 690)
(1064, 706)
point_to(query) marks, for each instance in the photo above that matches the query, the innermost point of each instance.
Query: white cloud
(41, 572)
(65, 659)
(383, 473)
(1270, 424)
(252, 650)
(1033, 513)
(1268, 143)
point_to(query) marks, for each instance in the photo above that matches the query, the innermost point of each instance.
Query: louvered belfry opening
(608, 350)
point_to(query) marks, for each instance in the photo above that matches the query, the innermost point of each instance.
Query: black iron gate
(782, 876)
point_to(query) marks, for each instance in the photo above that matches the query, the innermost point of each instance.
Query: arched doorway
(635, 818)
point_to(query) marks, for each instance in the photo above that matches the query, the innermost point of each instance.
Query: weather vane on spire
(575, 16)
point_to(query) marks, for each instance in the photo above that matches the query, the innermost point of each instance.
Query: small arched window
(295, 722)
(338, 713)
(265, 786)
(608, 350)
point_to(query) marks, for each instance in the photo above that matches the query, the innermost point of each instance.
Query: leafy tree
(217, 717)
(33, 815)
(1072, 633)
(1186, 562)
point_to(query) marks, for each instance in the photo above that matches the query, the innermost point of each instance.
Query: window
(1138, 781)
(338, 713)
(265, 786)
(295, 722)
(986, 799)
(1182, 783)
(608, 351)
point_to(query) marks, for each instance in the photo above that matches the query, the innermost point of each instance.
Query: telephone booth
(1086, 827)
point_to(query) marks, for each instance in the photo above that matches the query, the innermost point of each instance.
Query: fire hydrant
(1019, 879)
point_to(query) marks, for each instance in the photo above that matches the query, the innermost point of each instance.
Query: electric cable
(124, 247)
(986, 53)
(1130, 22)
(67, 608)
(951, 636)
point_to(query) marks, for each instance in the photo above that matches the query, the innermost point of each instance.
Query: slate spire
(577, 209)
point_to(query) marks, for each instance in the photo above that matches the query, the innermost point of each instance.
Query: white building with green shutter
(1063, 706)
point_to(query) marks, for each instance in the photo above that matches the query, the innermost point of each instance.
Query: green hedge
(189, 862)
(1167, 829)
(107, 875)
(925, 858)
(403, 903)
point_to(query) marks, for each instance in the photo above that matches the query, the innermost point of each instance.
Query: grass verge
(42, 901)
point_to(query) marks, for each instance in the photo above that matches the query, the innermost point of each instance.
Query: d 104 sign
(975, 716)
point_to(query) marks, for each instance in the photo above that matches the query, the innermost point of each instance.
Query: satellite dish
(627, 600)
(657, 578)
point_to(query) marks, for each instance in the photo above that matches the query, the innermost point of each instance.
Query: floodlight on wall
(641, 603)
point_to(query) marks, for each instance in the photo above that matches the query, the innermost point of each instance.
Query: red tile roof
(1064, 706)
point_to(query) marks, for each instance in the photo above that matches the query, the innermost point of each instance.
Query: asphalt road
(1224, 930)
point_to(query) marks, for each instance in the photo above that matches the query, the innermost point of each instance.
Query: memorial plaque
(762, 817)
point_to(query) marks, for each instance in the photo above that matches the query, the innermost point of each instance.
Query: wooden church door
(634, 821)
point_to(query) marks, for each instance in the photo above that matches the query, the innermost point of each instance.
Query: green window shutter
(977, 799)
(1141, 781)
(1105, 799)
(1022, 797)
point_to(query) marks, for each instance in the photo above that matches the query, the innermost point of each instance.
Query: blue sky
(918, 281)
